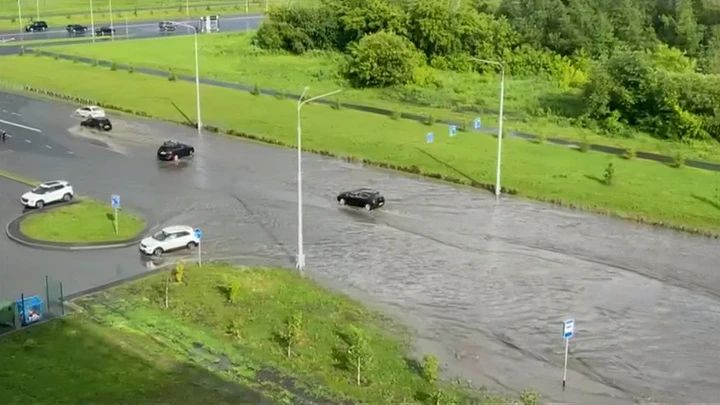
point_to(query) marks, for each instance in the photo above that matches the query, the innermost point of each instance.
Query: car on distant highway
(47, 193)
(174, 150)
(105, 31)
(362, 197)
(90, 111)
(166, 26)
(169, 239)
(101, 123)
(36, 26)
(74, 29)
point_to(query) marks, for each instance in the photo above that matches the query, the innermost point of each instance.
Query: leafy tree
(358, 353)
(380, 60)
(368, 17)
(291, 332)
(430, 366)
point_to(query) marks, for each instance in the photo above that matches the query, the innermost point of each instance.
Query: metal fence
(27, 308)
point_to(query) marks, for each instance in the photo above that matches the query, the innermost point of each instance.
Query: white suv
(169, 239)
(90, 111)
(48, 192)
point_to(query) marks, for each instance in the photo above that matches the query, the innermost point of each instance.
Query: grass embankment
(641, 190)
(59, 22)
(529, 102)
(222, 338)
(84, 222)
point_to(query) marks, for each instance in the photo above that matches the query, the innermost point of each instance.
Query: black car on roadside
(166, 26)
(105, 31)
(102, 124)
(75, 29)
(363, 197)
(36, 26)
(174, 150)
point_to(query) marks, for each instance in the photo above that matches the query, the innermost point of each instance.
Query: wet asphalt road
(485, 284)
(138, 30)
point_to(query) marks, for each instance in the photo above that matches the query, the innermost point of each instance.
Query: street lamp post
(37, 9)
(21, 24)
(92, 22)
(300, 103)
(112, 28)
(500, 121)
(197, 75)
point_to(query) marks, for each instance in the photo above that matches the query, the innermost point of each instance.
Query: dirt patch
(125, 134)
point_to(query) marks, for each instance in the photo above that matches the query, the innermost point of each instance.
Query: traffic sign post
(453, 130)
(568, 333)
(430, 137)
(115, 203)
(477, 124)
(198, 235)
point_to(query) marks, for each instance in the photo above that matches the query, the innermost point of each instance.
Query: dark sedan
(102, 124)
(75, 29)
(174, 150)
(362, 197)
(105, 31)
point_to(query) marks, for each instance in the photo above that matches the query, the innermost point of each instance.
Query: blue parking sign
(453, 130)
(198, 233)
(115, 201)
(430, 137)
(477, 123)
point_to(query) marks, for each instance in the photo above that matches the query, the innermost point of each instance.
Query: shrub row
(406, 169)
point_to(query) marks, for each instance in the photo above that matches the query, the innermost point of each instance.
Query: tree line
(653, 65)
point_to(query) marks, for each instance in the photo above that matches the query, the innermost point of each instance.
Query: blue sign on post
(430, 137)
(477, 123)
(568, 328)
(198, 233)
(115, 201)
(453, 130)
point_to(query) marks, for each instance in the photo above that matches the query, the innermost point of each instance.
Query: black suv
(102, 124)
(76, 29)
(174, 150)
(105, 31)
(166, 26)
(36, 26)
(363, 197)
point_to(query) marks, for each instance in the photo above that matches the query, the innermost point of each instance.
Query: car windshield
(160, 236)
(39, 190)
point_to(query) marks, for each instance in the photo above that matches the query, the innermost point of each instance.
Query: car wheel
(157, 252)
(368, 207)
(192, 152)
(191, 245)
(67, 197)
(39, 204)
(342, 201)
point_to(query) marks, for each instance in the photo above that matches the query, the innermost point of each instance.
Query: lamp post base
(300, 264)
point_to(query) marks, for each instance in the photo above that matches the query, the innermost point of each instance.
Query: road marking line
(70, 152)
(48, 146)
(5, 111)
(21, 126)
(28, 141)
(14, 113)
(8, 135)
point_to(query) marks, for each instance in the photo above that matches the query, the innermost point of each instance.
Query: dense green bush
(381, 59)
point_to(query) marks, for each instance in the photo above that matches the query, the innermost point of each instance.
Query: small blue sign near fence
(453, 130)
(115, 201)
(430, 137)
(477, 124)
(568, 328)
(198, 233)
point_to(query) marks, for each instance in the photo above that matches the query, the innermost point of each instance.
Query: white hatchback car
(47, 193)
(169, 239)
(90, 111)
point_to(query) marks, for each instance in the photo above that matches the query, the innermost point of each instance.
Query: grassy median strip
(630, 188)
(220, 334)
(84, 222)
(232, 57)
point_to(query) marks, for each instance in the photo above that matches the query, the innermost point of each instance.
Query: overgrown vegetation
(650, 65)
(284, 340)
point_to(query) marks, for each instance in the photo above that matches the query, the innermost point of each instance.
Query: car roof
(364, 190)
(54, 183)
(172, 142)
(178, 228)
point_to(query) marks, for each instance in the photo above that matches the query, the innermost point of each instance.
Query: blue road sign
(115, 201)
(453, 130)
(568, 328)
(430, 137)
(198, 233)
(477, 123)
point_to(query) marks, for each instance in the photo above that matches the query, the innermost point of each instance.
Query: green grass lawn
(86, 221)
(40, 42)
(217, 340)
(231, 57)
(642, 190)
(102, 17)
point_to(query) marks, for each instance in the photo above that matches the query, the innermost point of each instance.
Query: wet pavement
(485, 284)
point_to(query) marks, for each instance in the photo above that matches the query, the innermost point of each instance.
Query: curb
(12, 230)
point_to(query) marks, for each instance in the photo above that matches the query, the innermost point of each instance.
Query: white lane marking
(70, 152)
(14, 113)
(21, 126)
(5, 111)
(28, 141)
(48, 146)
(8, 135)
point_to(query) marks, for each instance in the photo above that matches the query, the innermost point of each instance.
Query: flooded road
(485, 284)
